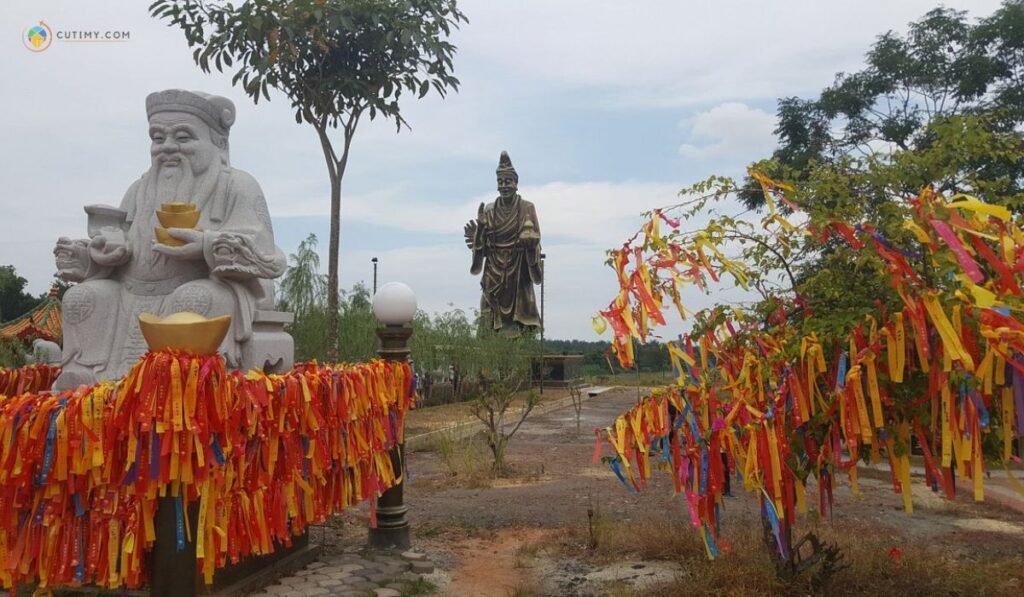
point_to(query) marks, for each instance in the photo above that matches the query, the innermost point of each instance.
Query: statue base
(557, 370)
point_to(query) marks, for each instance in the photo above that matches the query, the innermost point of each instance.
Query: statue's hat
(216, 111)
(505, 165)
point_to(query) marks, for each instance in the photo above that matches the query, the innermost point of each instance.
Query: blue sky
(606, 107)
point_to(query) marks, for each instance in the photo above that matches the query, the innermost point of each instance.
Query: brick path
(363, 573)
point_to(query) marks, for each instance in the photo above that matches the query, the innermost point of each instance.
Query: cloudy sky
(607, 107)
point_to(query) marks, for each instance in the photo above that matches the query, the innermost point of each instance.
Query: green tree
(303, 289)
(335, 61)
(444, 346)
(14, 301)
(357, 336)
(505, 397)
(943, 68)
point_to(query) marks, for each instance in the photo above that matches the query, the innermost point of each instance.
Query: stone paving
(363, 573)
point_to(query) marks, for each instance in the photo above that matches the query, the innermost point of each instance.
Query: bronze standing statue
(505, 240)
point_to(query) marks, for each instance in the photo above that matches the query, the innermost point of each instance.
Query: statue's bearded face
(181, 140)
(183, 150)
(508, 184)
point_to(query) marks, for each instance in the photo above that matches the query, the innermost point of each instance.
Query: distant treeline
(649, 357)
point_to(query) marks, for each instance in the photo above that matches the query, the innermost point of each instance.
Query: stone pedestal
(557, 370)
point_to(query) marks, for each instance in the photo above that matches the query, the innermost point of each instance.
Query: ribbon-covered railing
(760, 398)
(30, 378)
(263, 456)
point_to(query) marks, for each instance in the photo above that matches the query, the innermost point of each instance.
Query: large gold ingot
(185, 331)
(175, 215)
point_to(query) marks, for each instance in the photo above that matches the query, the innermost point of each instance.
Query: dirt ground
(531, 534)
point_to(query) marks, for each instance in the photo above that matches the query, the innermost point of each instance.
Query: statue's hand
(470, 231)
(109, 248)
(192, 249)
(72, 257)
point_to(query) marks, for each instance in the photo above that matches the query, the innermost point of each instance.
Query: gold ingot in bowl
(164, 238)
(178, 207)
(185, 331)
(177, 219)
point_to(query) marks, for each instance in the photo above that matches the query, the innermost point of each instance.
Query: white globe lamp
(394, 304)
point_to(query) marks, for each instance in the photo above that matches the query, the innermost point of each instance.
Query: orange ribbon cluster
(31, 378)
(946, 370)
(264, 456)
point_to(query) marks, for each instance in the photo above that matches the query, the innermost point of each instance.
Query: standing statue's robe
(101, 327)
(509, 266)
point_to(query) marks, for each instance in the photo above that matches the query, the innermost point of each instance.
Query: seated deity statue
(224, 265)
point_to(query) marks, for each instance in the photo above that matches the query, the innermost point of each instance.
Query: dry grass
(432, 418)
(468, 463)
(526, 555)
(747, 569)
(524, 589)
(630, 378)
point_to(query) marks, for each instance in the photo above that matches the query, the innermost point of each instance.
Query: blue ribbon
(154, 455)
(703, 472)
(179, 521)
(712, 547)
(51, 438)
(768, 509)
(841, 376)
(618, 473)
(218, 454)
(80, 567)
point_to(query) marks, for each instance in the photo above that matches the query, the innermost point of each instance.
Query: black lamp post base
(390, 538)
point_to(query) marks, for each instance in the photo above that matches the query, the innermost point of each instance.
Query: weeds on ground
(876, 566)
(526, 555)
(458, 453)
(466, 463)
(524, 589)
(624, 590)
(420, 586)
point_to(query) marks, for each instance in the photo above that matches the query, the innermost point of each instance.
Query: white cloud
(730, 131)
(589, 212)
(673, 53)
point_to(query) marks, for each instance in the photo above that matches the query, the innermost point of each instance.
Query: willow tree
(337, 61)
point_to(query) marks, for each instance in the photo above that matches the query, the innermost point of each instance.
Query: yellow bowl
(177, 219)
(178, 207)
(186, 331)
(164, 238)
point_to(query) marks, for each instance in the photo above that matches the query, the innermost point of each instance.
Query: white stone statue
(223, 266)
(45, 352)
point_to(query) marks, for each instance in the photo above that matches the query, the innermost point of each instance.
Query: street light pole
(541, 368)
(374, 260)
(394, 306)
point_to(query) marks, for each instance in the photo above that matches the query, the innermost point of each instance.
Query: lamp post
(394, 306)
(541, 368)
(374, 260)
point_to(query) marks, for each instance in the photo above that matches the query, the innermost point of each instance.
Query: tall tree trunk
(332, 269)
(336, 168)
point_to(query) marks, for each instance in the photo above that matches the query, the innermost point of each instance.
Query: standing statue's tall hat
(505, 165)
